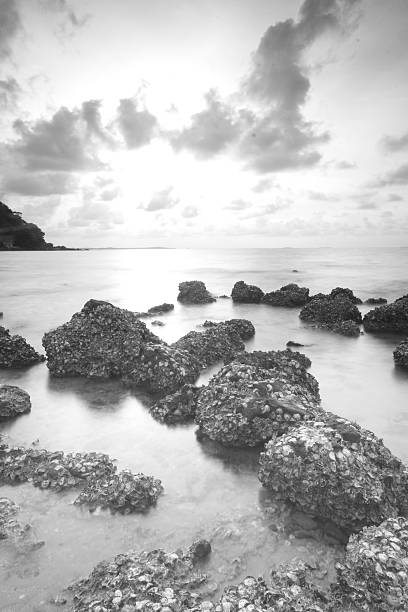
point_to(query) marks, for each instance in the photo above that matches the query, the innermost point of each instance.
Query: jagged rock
(178, 407)
(345, 293)
(200, 549)
(374, 573)
(122, 492)
(153, 581)
(255, 397)
(289, 296)
(401, 354)
(246, 294)
(346, 328)
(336, 313)
(388, 318)
(160, 309)
(336, 470)
(194, 292)
(379, 300)
(15, 352)
(13, 401)
(292, 343)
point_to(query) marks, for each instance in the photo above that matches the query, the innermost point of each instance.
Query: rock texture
(246, 294)
(290, 296)
(336, 470)
(388, 318)
(379, 300)
(194, 292)
(336, 313)
(13, 530)
(13, 402)
(401, 354)
(15, 352)
(345, 293)
(178, 407)
(160, 309)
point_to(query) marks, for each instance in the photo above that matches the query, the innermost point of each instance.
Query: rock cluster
(257, 396)
(379, 300)
(334, 312)
(388, 318)
(15, 352)
(336, 470)
(289, 296)
(374, 573)
(178, 407)
(13, 401)
(246, 294)
(160, 309)
(194, 292)
(401, 354)
(345, 293)
(153, 581)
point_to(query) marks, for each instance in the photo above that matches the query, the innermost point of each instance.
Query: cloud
(41, 184)
(266, 210)
(366, 205)
(345, 165)
(263, 185)
(137, 125)
(395, 144)
(42, 211)
(323, 197)
(71, 20)
(161, 200)
(394, 197)
(238, 205)
(9, 92)
(10, 24)
(189, 212)
(395, 177)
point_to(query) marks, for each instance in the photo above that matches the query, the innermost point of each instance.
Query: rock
(345, 293)
(401, 354)
(336, 313)
(122, 492)
(292, 343)
(346, 328)
(374, 573)
(160, 309)
(15, 352)
(246, 294)
(178, 407)
(255, 397)
(289, 296)
(194, 292)
(13, 402)
(158, 323)
(12, 529)
(224, 297)
(295, 270)
(379, 300)
(200, 549)
(153, 581)
(336, 470)
(388, 318)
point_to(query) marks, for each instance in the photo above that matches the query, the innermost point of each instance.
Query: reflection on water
(209, 491)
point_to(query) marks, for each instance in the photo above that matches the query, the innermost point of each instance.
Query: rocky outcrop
(345, 328)
(246, 294)
(388, 318)
(17, 234)
(401, 354)
(15, 352)
(160, 309)
(13, 402)
(336, 470)
(255, 397)
(336, 313)
(374, 301)
(194, 292)
(345, 293)
(178, 407)
(289, 296)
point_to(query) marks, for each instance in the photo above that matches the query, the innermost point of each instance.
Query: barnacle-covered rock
(401, 354)
(289, 296)
(388, 318)
(346, 328)
(15, 352)
(178, 407)
(345, 293)
(336, 470)
(160, 309)
(246, 294)
(374, 573)
(336, 313)
(153, 581)
(194, 292)
(13, 401)
(20, 534)
(256, 396)
(122, 492)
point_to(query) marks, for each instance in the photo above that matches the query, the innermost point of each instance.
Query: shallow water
(209, 492)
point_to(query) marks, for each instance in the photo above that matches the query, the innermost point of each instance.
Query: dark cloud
(136, 123)
(40, 184)
(161, 200)
(238, 205)
(395, 177)
(395, 144)
(394, 197)
(9, 92)
(9, 26)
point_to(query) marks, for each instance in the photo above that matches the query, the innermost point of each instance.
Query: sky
(206, 123)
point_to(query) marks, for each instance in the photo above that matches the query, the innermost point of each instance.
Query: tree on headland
(15, 233)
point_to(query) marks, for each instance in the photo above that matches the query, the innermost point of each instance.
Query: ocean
(209, 491)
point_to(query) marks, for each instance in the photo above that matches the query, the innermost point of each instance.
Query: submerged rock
(15, 352)
(336, 470)
(246, 294)
(194, 292)
(401, 354)
(13, 402)
(200, 549)
(178, 407)
(255, 397)
(160, 309)
(374, 573)
(295, 344)
(379, 300)
(289, 296)
(158, 323)
(337, 313)
(345, 293)
(388, 318)
(14, 530)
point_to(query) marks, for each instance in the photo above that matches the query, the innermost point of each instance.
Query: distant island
(18, 235)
